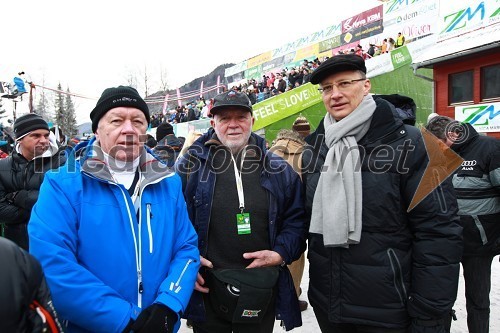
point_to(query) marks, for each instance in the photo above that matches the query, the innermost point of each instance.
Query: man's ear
(452, 136)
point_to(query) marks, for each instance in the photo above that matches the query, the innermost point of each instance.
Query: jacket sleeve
(10, 213)
(79, 296)
(291, 239)
(437, 240)
(181, 167)
(44, 300)
(176, 289)
(494, 167)
(26, 199)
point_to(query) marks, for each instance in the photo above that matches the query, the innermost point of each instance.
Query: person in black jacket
(168, 146)
(477, 184)
(25, 300)
(21, 175)
(380, 259)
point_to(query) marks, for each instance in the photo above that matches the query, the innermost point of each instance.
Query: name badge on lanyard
(242, 219)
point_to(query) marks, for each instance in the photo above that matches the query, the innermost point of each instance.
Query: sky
(88, 46)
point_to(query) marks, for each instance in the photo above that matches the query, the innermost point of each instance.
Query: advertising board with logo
(484, 117)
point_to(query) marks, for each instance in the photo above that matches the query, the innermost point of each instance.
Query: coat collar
(151, 168)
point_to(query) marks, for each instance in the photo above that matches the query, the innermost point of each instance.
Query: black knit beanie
(116, 97)
(163, 130)
(28, 123)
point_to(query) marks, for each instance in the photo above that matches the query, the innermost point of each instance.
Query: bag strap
(45, 315)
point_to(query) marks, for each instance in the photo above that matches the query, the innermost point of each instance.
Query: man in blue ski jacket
(112, 230)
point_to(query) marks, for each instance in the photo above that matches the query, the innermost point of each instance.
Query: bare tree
(131, 79)
(163, 79)
(146, 81)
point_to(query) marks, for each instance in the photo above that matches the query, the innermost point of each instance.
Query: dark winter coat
(477, 184)
(287, 228)
(282, 85)
(407, 263)
(20, 182)
(22, 282)
(167, 149)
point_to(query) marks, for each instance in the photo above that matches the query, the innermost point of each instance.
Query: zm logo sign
(460, 19)
(395, 5)
(481, 114)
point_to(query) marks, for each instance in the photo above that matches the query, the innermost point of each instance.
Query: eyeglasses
(341, 86)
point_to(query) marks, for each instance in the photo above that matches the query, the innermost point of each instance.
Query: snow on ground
(460, 326)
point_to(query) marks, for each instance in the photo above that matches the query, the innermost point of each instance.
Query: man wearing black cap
(168, 145)
(22, 173)
(376, 264)
(248, 210)
(112, 231)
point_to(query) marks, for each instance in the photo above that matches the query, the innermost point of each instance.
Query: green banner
(285, 105)
(400, 57)
(254, 72)
(329, 44)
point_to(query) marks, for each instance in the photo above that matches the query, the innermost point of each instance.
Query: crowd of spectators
(388, 44)
(272, 83)
(191, 111)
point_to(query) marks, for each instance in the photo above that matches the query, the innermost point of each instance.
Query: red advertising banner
(362, 19)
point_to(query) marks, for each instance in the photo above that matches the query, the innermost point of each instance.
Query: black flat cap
(337, 64)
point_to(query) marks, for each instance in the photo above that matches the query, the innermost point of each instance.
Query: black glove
(156, 318)
(11, 197)
(428, 326)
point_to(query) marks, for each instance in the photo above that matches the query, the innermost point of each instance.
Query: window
(490, 82)
(461, 87)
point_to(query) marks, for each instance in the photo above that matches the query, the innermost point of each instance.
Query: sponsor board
(484, 117)
(284, 105)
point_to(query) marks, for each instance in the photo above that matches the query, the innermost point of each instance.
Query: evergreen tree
(69, 127)
(42, 107)
(59, 108)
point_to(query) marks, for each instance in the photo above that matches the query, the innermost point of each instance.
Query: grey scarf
(337, 203)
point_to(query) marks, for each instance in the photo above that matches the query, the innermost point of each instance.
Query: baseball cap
(231, 98)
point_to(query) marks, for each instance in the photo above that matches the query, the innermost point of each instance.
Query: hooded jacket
(105, 259)
(287, 227)
(477, 184)
(406, 264)
(20, 182)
